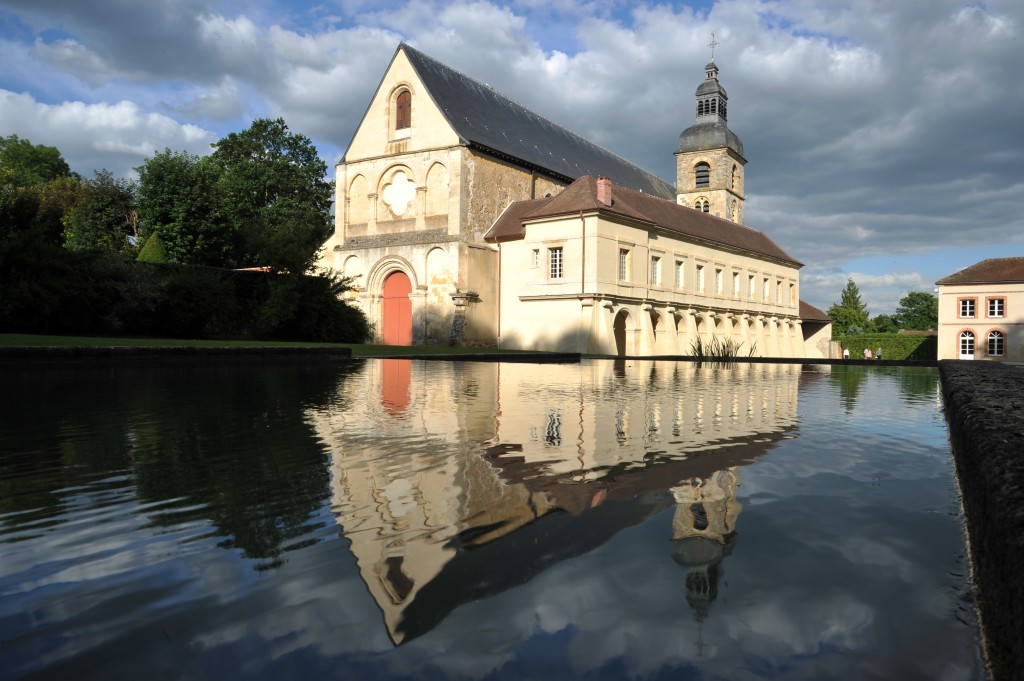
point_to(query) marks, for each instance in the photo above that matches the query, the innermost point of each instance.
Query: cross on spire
(712, 45)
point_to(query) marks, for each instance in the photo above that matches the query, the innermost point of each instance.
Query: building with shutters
(467, 219)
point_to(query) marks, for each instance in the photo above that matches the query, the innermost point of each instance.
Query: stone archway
(397, 310)
(625, 334)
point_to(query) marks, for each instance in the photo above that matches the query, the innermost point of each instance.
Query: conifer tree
(850, 313)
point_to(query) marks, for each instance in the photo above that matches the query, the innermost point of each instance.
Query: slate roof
(991, 271)
(581, 195)
(488, 121)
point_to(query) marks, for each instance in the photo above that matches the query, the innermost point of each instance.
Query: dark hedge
(47, 289)
(894, 346)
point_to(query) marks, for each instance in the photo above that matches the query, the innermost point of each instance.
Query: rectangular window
(700, 278)
(766, 290)
(735, 284)
(967, 307)
(751, 287)
(535, 258)
(718, 281)
(555, 262)
(655, 271)
(778, 292)
(623, 264)
(996, 307)
(679, 274)
(792, 295)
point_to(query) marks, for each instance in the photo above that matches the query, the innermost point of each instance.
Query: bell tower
(709, 159)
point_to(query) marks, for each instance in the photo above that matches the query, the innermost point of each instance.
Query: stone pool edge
(984, 404)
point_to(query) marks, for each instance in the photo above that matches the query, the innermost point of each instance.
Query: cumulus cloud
(116, 136)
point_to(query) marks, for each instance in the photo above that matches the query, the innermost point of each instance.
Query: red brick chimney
(604, 190)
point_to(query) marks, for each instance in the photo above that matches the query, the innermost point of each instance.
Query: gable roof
(486, 120)
(581, 195)
(991, 271)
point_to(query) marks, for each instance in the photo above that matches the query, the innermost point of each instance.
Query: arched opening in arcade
(625, 334)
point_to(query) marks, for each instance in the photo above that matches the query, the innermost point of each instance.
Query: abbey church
(464, 218)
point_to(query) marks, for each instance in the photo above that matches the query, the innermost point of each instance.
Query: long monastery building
(467, 219)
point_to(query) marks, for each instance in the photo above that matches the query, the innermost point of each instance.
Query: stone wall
(985, 411)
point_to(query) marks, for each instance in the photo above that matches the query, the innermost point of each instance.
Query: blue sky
(884, 140)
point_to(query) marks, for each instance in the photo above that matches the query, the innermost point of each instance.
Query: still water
(393, 519)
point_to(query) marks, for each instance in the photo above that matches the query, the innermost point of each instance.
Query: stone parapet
(985, 411)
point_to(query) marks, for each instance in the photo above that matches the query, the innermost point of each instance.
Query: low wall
(985, 411)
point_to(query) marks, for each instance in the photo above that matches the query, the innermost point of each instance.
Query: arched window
(714, 105)
(721, 110)
(702, 174)
(403, 110)
(996, 346)
(700, 108)
(735, 177)
(702, 205)
(966, 345)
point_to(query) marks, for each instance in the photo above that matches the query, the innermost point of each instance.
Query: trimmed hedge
(47, 289)
(894, 345)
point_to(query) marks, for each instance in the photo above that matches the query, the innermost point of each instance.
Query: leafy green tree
(275, 194)
(918, 310)
(884, 323)
(31, 164)
(105, 218)
(180, 198)
(849, 312)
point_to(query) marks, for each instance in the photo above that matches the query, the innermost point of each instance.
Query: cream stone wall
(577, 312)
(1011, 324)
(414, 200)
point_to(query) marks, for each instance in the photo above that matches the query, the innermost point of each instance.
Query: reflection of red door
(396, 384)
(397, 310)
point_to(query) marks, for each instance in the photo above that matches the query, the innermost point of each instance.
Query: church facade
(465, 218)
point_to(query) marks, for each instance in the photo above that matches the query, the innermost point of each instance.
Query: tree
(105, 218)
(919, 311)
(884, 323)
(180, 198)
(29, 163)
(849, 312)
(275, 195)
(37, 189)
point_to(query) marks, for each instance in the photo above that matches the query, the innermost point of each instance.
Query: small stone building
(981, 311)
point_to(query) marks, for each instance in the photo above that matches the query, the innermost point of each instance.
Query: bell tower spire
(709, 159)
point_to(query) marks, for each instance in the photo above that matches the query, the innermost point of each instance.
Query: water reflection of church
(446, 504)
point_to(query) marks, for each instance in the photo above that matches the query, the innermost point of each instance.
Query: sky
(884, 138)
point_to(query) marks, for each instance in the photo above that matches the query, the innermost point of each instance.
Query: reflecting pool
(398, 519)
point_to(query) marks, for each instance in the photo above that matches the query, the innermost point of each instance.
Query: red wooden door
(397, 310)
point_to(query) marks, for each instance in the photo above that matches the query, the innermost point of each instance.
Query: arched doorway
(624, 334)
(397, 312)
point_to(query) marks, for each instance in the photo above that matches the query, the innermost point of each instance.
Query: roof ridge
(541, 117)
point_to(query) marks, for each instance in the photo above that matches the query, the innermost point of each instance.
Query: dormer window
(702, 174)
(403, 110)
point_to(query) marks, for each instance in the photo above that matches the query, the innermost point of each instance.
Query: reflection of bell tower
(704, 532)
(709, 160)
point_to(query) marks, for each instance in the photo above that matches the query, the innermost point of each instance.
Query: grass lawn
(358, 350)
